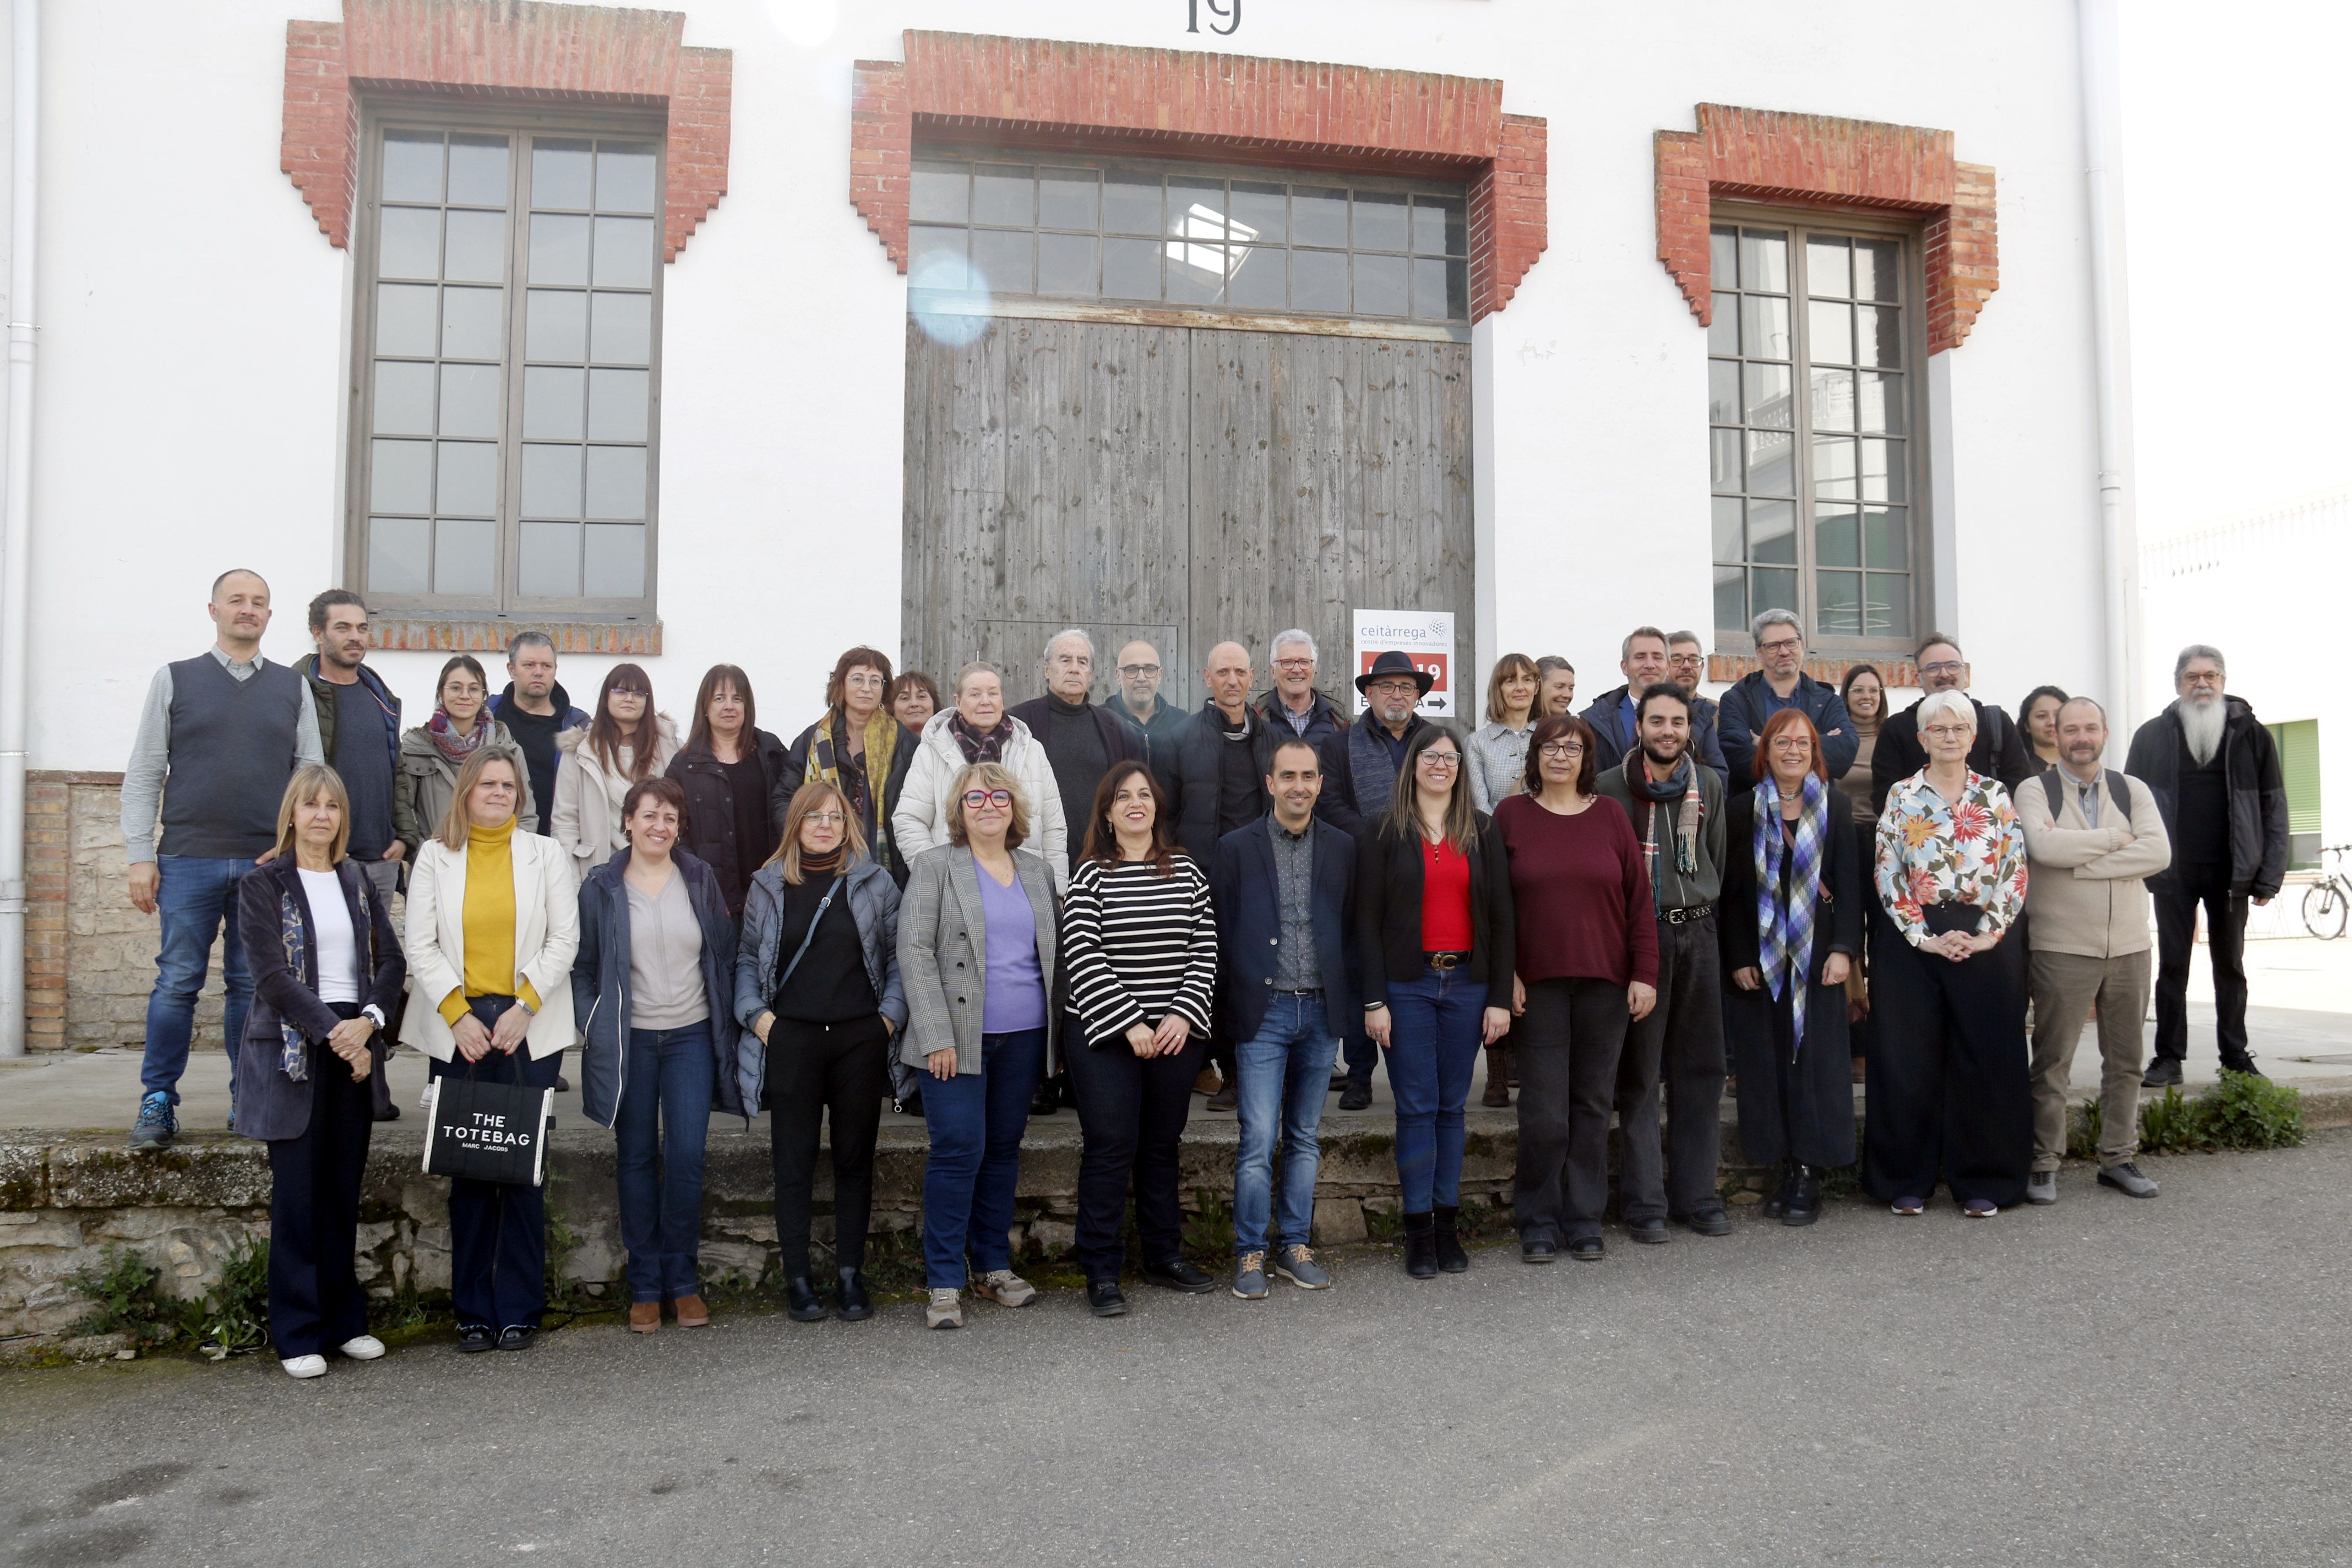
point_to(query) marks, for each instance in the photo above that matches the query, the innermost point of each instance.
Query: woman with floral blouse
(1948, 1088)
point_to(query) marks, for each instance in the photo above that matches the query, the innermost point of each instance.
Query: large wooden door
(1184, 485)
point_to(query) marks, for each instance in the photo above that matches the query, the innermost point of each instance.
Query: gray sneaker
(2126, 1178)
(2041, 1187)
(156, 1126)
(1004, 1288)
(1249, 1275)
(1297, 1263)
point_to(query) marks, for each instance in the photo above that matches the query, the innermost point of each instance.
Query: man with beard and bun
(1676, 806)
(535, 711)
(2214, 772)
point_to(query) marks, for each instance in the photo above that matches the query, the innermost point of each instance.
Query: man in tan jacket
(2094, 837)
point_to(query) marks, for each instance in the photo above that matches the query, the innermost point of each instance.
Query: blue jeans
(196, 897)
(497, 1230)
(1285, 1073)
(1434, 1024)
(661, 1125)
(976, 1121)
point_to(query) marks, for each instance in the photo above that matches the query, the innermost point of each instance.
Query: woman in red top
(1433, 929)
(1587, 966)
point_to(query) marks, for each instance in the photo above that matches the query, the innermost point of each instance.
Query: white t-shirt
(339, 952)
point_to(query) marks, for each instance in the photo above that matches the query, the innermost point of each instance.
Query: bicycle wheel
(2323, 910)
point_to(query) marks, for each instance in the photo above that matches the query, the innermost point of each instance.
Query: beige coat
(920, 822)
(2086, 892)
(587, 820)
(422, 789)
(546, 937)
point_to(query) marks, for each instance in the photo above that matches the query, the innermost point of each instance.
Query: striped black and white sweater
(1138, 946)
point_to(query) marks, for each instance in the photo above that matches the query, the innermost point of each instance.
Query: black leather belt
(1445, 960)
(1683, 917)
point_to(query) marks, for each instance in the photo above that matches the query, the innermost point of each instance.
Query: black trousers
(1566, 1046)
(813, 1069)
(1679, 1047)
(1131, 1113)
(2176, 949)
(497, 1230)
(1949, 1091)
(315, 1300)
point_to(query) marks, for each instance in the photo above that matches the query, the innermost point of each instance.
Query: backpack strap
(2118, 790)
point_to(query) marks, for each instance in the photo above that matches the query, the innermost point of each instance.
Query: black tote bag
(488, 1132)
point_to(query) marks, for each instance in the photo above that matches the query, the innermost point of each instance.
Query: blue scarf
(1784, 930)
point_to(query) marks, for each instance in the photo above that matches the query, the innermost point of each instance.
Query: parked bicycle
(2327, 901)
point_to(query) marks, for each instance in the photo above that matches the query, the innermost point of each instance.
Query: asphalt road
(2107, 1382)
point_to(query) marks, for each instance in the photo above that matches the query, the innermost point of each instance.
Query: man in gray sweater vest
(218, 738)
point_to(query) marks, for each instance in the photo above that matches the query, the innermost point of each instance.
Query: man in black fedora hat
(1363, 762)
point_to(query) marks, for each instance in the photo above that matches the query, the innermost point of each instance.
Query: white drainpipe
(2111, 353)
(17, 521)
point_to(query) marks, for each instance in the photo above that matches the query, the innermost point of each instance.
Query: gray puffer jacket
(873, 905)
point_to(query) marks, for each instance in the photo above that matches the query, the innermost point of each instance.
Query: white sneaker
(945, 1311)
(366, 1347)
(1005, 1288)
(305, 1365)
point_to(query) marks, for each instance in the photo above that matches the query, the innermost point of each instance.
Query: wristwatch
(376, 1013)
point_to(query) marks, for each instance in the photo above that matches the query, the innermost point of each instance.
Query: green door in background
(2298, 752)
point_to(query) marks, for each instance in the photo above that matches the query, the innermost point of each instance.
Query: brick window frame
(1190, 104)
(505, 52)
(1821, 161)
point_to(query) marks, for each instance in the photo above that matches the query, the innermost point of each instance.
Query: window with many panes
(507, 394)
(1125, 233)
(1815, 494)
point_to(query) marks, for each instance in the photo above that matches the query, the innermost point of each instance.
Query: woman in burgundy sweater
(1587, 966)
(1434, 930)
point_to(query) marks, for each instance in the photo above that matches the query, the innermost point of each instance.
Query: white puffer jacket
(921, 819)
(587, 819)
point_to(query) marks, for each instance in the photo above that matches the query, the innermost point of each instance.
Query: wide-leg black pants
(315, 1299)
(1949, 1092)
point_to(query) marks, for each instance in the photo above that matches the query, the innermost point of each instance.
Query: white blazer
(920, 822)
(547, 936)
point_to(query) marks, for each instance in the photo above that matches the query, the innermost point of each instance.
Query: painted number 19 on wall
(1229, 13)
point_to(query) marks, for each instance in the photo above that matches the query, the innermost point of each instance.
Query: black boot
(1046, 1101)
(1451, 1258)
(1804, 1204)
(1777, 1204)
(801, 1301)
(853, 1304)
(1421, 1245)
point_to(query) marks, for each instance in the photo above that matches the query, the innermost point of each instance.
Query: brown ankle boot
(691, 1312)
(644, 1317)
(1498, 1076)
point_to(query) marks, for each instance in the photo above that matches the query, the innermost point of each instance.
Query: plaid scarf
(1784, 928)
(978, 747)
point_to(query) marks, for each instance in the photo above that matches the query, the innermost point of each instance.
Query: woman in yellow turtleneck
(493, 923)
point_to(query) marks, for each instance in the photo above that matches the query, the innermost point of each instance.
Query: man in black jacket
(1219, 786)
(1997, 751)
(1082, 740)
(2214, 772)
(1645, 659)
(1137, 702)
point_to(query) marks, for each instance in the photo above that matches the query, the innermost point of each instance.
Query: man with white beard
(2214, 772)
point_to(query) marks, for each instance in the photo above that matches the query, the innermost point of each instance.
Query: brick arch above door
(1172, 102)
(1816, 160)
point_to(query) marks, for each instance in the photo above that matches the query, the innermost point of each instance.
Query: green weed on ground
(2243, 1110)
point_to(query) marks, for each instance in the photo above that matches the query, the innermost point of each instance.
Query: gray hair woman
(976, 955)
(1948, 1088)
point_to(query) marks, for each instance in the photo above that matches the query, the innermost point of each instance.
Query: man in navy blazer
(1284, 890)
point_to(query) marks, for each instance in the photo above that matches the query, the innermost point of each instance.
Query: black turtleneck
(830, 985)
(1074, 745)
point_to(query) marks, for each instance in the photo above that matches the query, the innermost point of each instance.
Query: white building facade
(748, 331)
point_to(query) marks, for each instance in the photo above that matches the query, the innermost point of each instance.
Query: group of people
(981, 912)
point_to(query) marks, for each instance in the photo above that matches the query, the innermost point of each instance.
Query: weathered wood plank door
(1046, 466)
(1185, 485)
(1328, 474)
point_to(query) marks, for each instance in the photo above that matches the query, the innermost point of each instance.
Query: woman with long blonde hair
(818, 994)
